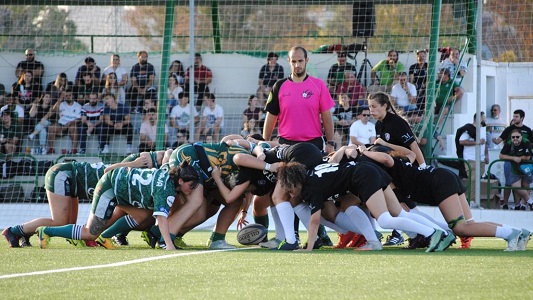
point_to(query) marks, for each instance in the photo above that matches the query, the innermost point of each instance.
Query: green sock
(63, 231)
(217, 236)
(322, 231)
(155, 230)
(263, 220)
(122, 225)
(17, 230)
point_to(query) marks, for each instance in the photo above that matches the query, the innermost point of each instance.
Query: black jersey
(424, 185)
(395, 130)
(327, 181)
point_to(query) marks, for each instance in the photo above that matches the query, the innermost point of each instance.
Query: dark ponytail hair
(186, 172)
(382, 99)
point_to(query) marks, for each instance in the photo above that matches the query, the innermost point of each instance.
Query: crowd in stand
(100, 102)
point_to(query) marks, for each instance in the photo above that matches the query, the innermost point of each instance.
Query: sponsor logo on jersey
(307, 94)
(170, 200)
(160, 182)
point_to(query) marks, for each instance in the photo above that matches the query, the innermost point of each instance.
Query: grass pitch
(139, 272)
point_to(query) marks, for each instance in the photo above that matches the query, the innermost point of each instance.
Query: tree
(41, 27)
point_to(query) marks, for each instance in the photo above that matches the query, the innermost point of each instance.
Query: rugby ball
(251, 234)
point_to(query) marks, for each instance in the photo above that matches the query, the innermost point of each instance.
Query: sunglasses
(494, 109)
(29, 54)
(515, 136)
(365, 115)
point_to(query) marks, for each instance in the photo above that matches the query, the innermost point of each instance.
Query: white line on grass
(117, 264)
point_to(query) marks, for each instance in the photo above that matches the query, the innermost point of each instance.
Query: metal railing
(504, 187)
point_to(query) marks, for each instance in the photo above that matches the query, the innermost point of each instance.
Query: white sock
(372, 220)
(280, 233)
(303, 211)
(443, 225)
(343, 220)
(286, 216)
(386, 221)
(419, 219)
(332, 226)
(360, 219)
(503, 232)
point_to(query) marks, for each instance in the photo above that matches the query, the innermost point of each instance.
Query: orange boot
(466, 241)
(344, 239)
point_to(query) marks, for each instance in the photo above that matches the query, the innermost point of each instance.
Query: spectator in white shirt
(212, 119)
(69, 115)
(363, 132)
(403, 94)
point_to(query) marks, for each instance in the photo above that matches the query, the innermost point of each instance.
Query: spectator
(2, 93)
(418, 77)
(68, 114)
(495, 126)
(176, 70)
(180, 115)
(173, 91)
(120, 72)
(403, 94)
(336, 72)
(351, 87)
(343, 117)
(202, 78)
(363, 132)
(268, 75)
(10, 134)
(253, 111)
(85, 87)
(150, 101)
(443, 101)
(148, 133)
(26, 89)
(58, 86)
(112, 86)
(311, 103)
(91, 120)
(468, 142)
(90, 68)
(116, 120)
(40, 113)
(516, 152)
(527, 137)
(31, 64)
(251, 127)
(16, 110)
(181, 138)
(516, 123)
(388, 70)
(212, 121)
(142, 77)
(453, 64)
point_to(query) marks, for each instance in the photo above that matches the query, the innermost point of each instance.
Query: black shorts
(403, 199)
(318, 142)
(367, 179)
(307, 154)
(443, 185)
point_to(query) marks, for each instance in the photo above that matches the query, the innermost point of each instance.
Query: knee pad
(453, 222)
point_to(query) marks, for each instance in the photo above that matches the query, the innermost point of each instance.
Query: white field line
(117, 264)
